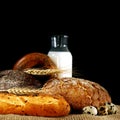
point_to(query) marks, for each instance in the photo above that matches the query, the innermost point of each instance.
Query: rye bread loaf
(16, 78)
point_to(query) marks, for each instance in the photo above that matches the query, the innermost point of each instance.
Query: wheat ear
(34, 71)
(22, 91)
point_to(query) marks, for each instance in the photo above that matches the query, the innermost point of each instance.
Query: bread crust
(35, 105)
(35, 59)
(78, 92)
(16, 78)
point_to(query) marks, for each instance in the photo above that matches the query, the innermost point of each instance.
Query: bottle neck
(59, 43)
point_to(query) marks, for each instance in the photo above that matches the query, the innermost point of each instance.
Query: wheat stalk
(34, 71)
(22, 91)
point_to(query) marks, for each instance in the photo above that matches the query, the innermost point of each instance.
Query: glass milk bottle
(60, 55)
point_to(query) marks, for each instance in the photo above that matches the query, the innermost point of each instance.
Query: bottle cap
(59, 40)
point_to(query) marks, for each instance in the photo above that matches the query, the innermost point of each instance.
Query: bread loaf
(16, 78)
(78, 92)
(35, 105)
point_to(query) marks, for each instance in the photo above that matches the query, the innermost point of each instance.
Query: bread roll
(78, 92)
(35, 105)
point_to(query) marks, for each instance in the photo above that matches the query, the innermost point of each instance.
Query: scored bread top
(78, 92)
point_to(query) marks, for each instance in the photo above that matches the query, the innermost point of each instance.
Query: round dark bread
(17, 78)
(78, 92)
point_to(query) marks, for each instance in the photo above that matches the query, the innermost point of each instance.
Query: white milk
(63, 60)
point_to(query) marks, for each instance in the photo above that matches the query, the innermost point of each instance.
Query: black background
(93, 38)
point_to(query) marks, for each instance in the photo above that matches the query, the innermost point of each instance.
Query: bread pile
(25, 94)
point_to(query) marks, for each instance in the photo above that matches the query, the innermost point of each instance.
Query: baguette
(34, 105)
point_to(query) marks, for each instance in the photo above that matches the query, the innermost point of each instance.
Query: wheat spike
(22, 91)
(34, 71)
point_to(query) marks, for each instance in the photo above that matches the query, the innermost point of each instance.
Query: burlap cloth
(69, 117)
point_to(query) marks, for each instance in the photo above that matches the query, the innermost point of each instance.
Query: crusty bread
(36, 105)
(78, 92)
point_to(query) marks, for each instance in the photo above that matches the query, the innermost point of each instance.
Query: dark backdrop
(93, 40)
